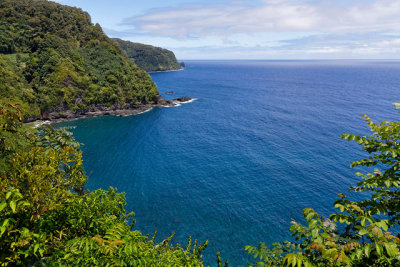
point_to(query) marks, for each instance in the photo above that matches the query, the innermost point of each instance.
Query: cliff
(55, 60)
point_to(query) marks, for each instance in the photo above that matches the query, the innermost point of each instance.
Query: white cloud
(270, 16)
(311, 47)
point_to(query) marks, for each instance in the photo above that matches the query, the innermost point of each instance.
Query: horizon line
(322, 59)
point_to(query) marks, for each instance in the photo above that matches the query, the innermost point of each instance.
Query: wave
(147, 110)
(158, 71)
(186, 102)
(37, 124)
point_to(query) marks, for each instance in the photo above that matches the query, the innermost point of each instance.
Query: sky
(255, 29)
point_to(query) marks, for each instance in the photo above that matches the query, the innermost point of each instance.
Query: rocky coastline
(63, 113)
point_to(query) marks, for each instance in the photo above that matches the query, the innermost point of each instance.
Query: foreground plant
(362, 237)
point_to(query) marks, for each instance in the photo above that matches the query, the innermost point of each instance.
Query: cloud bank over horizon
(198, 20)
(277, 29)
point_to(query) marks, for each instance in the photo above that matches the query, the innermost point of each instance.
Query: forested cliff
(53, 58)
(148, 57)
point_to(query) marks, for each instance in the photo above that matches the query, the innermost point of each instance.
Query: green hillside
(55, 59)
(149, 58)
(52, 60)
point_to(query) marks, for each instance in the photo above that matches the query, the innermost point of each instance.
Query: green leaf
(312, 224)
(6, 222)
(363, 232)
(378, 249)
(36, 247)
(299, 262)
(383, 225)
(391, 249)
(363, 221)
(309, 217)
(2, 230)
(13, 206)
(2, 205)
(359, 253)
(339, 206)
(367, 250)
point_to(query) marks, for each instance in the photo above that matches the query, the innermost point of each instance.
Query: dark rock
(170, 92)
(182, 99)
(63, 113)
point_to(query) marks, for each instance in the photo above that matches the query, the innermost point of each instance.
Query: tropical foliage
(147, 57)
(362, 237)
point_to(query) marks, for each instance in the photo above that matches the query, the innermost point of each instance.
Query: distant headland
(148, 57)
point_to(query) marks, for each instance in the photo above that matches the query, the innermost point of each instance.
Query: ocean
(260, 143)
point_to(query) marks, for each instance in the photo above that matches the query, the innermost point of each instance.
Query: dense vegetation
(48, 219)
(54, 58)
(148, 57)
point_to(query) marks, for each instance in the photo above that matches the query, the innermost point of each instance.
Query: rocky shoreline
(62, 114)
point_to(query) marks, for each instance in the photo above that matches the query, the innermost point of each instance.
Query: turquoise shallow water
(260, 143)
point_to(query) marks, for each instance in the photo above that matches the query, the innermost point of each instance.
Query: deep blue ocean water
(260, 143)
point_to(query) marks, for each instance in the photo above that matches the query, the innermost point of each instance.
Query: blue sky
(265, 29)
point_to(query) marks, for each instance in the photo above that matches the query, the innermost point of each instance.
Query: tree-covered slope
(149, 58)
(55, 59)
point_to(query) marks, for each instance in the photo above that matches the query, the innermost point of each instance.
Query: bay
(260, 143)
